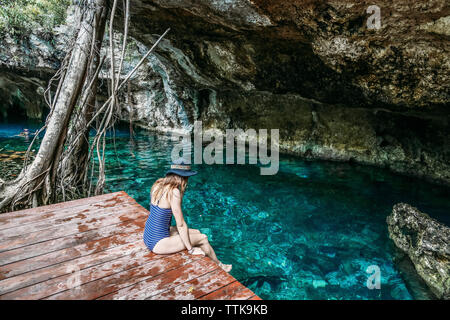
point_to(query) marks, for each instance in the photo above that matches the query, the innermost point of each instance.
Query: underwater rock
(414, 283)
(399, 292)
(319, 283)
(426, 242)
(11, 163)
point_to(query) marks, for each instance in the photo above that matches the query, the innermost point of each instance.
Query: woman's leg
(209, 251)
(174, 244)
(174, 231)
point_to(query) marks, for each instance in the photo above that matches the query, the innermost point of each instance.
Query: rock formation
(426, 242)
(336, 89)
(321, 50)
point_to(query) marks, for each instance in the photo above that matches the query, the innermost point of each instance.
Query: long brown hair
(167, 184)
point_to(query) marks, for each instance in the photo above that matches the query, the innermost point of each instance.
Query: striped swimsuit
(157, 226)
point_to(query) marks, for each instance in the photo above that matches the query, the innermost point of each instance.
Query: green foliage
(20, 17)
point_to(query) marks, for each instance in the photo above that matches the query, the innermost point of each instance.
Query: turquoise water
(309, 232)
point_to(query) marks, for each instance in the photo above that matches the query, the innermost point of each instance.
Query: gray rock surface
(426, 242)
(335, 89)
(318, 49)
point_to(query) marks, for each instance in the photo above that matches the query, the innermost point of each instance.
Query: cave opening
(12, 109)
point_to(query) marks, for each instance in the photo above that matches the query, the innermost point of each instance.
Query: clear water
(309, 232)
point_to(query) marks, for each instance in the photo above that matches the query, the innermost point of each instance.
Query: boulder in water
(426, 242)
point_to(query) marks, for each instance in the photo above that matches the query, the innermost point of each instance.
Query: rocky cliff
(321, 50)
(335, 88)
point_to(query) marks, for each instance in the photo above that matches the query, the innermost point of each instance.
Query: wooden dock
(93, 249)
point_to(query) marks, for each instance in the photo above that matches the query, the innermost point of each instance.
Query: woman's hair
(167, 184)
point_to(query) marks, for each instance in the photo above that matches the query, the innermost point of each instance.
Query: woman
(166, 196)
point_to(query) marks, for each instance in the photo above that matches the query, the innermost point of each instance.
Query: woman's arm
(182, 227)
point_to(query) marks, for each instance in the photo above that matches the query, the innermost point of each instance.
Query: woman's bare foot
(225, 267)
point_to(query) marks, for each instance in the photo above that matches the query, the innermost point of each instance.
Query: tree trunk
(36, 183)
(73, 167)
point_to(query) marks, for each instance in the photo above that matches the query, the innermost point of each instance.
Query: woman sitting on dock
(166, 197)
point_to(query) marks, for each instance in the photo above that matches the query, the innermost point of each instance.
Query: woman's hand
(197, 251)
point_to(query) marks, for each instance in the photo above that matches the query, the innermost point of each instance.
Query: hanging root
(36, 182)
(65, 165)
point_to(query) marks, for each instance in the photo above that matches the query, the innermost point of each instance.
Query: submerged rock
(414, 282)
(426, 242)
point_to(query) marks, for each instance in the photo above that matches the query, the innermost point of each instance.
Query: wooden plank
(32, 218)
(234, 291)
(40, 248)
(64, 283)
(60, 269)
(164, 281)
(15, 218)
(196, 287)
(100, 239)
(58, 256)
(143, 270)
(225, 292)
(243, 294)
(78, 227)
(56, 206)
(73, 216)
